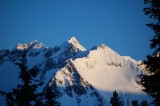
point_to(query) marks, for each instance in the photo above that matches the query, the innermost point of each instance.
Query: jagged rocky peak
(34, 44)
(76, 44)
(21, 46)
(102, 46)
(103, 49)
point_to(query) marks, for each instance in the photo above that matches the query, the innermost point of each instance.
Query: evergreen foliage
(144, 103)
(151, 81)
(49, 97)
(115, 100)
(134, 103)
(26, 94)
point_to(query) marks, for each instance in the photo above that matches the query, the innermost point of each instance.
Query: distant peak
(73, 40)
(34, 44)
(21, 46)
(35, 41)
(103, 46)
(75, 43)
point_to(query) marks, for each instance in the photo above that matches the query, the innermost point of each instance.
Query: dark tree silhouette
(115, 100)
(49, 97)
(134, 103)
(151, 81)
(26, 94)
(144, 103)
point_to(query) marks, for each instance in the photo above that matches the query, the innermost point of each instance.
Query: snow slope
(107, 71)
(80, 77)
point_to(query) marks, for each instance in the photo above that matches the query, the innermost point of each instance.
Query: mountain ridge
(78, 74)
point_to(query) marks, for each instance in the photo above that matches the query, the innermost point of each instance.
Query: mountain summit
(75, 42)
(80, 77)
(34, 45)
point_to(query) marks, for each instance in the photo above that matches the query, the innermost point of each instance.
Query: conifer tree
(25, 94)
(49, 97)
(151, 81)
(144, 103)
(134, 103)
(115, 100)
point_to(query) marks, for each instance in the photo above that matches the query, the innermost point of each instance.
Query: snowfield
(80, 77)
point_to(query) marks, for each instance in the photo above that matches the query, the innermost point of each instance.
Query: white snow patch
(75, 42)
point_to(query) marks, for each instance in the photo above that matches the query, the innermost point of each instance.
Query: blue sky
(120, 24)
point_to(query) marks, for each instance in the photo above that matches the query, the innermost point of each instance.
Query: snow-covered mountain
(80, 77)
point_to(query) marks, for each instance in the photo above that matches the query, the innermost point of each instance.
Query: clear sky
(120, 24)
